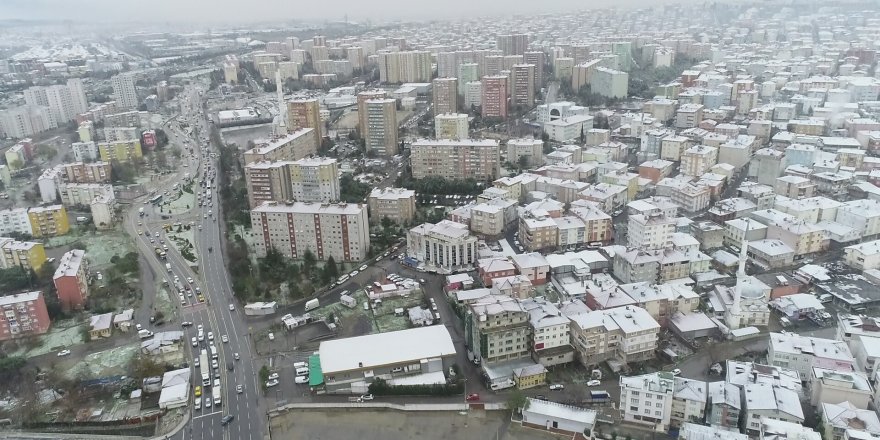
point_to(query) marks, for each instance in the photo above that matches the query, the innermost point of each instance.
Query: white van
(302, 371)
(298, 365)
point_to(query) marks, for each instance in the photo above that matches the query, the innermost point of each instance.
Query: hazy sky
(274, 10)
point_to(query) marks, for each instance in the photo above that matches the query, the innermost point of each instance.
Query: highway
(211, 279)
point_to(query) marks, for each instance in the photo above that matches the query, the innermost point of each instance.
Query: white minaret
(735, 308)
(280, 128)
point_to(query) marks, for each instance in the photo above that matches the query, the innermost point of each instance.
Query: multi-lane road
(218, 313)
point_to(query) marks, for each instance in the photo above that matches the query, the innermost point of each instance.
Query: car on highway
(226, 419)
(63, 353)
(236, 356)
(197, 404)
(271, 383)
(208, 402)
(365, 398)
(201, 298)
(195, 342)
(189, 280)
(224, 338)
(210, 336)
(231, 307)
(239, 389)
(301, 379)
(593, 383)
(198, 390)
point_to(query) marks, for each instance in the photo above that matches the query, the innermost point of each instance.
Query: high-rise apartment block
(381, 126)
(57, 98)
(523, 85)
(473, 94)
(530, 149)
(122, 151)
(455, 159)
(398, 204)
(78, 95)
(304, 180)
(610, 83)
(362, 99)
(445, 95)
(451, 126)
(401, 67)
(467, 72)
(124, 91)
(24, 314)
(513, 44)
(294, 146)
(340, 230)
(71, 280)
(305, 113)
(494, 97)
(230, 69)
(538, 59)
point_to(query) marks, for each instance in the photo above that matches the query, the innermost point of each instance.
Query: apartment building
(447, 246)
(537, 230)
(493, 103)
(58, 98)
(692, 198)
(114, 134)
(689, 116)
(397, 204)
(455, 159)
(550, 337)
(647, 399)
(23, 314)
(71, 280)
(512, 44)
(652, 231)
(697, 160)
(84, 151)
(81, 172)
(15, 220)
(863, 256)
(530, 149)
(497, 329)
(28, 255)
(122, 151)
(82, 194)
(339, 230)
(523, 77)
(124, 91)
(610, 83)
(305, 113)
(802, 353)
(293, 146)
(380, 134)
(689, 398)
(451, 126)
(444, 95)
(626, 334)
(724, 405)
(863, 215)
(405, 66)
(473, 94)
(362, 99)
(48, 221)
(764, 401)
(28, 120)
(835, 387)
(846, 421)
(314, 179)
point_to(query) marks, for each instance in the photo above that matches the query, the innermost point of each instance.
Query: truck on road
(312, 304)
(141, 212)
(216, 392)
(168, 267)
(205, 368)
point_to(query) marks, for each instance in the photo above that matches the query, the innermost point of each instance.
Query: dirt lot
(394, 425)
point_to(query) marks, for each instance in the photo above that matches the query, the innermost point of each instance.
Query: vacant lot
(399, 425)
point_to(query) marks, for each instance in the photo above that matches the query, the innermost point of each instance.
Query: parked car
(63, 353)
(273, 376)
(556, 387)
(593, 383)
(472, 397)
(271, 383)
(301, 379)
(365, 398)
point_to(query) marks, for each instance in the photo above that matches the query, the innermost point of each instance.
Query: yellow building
(123, 151)
(24, 254)
(47, 221)
(530, 377)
